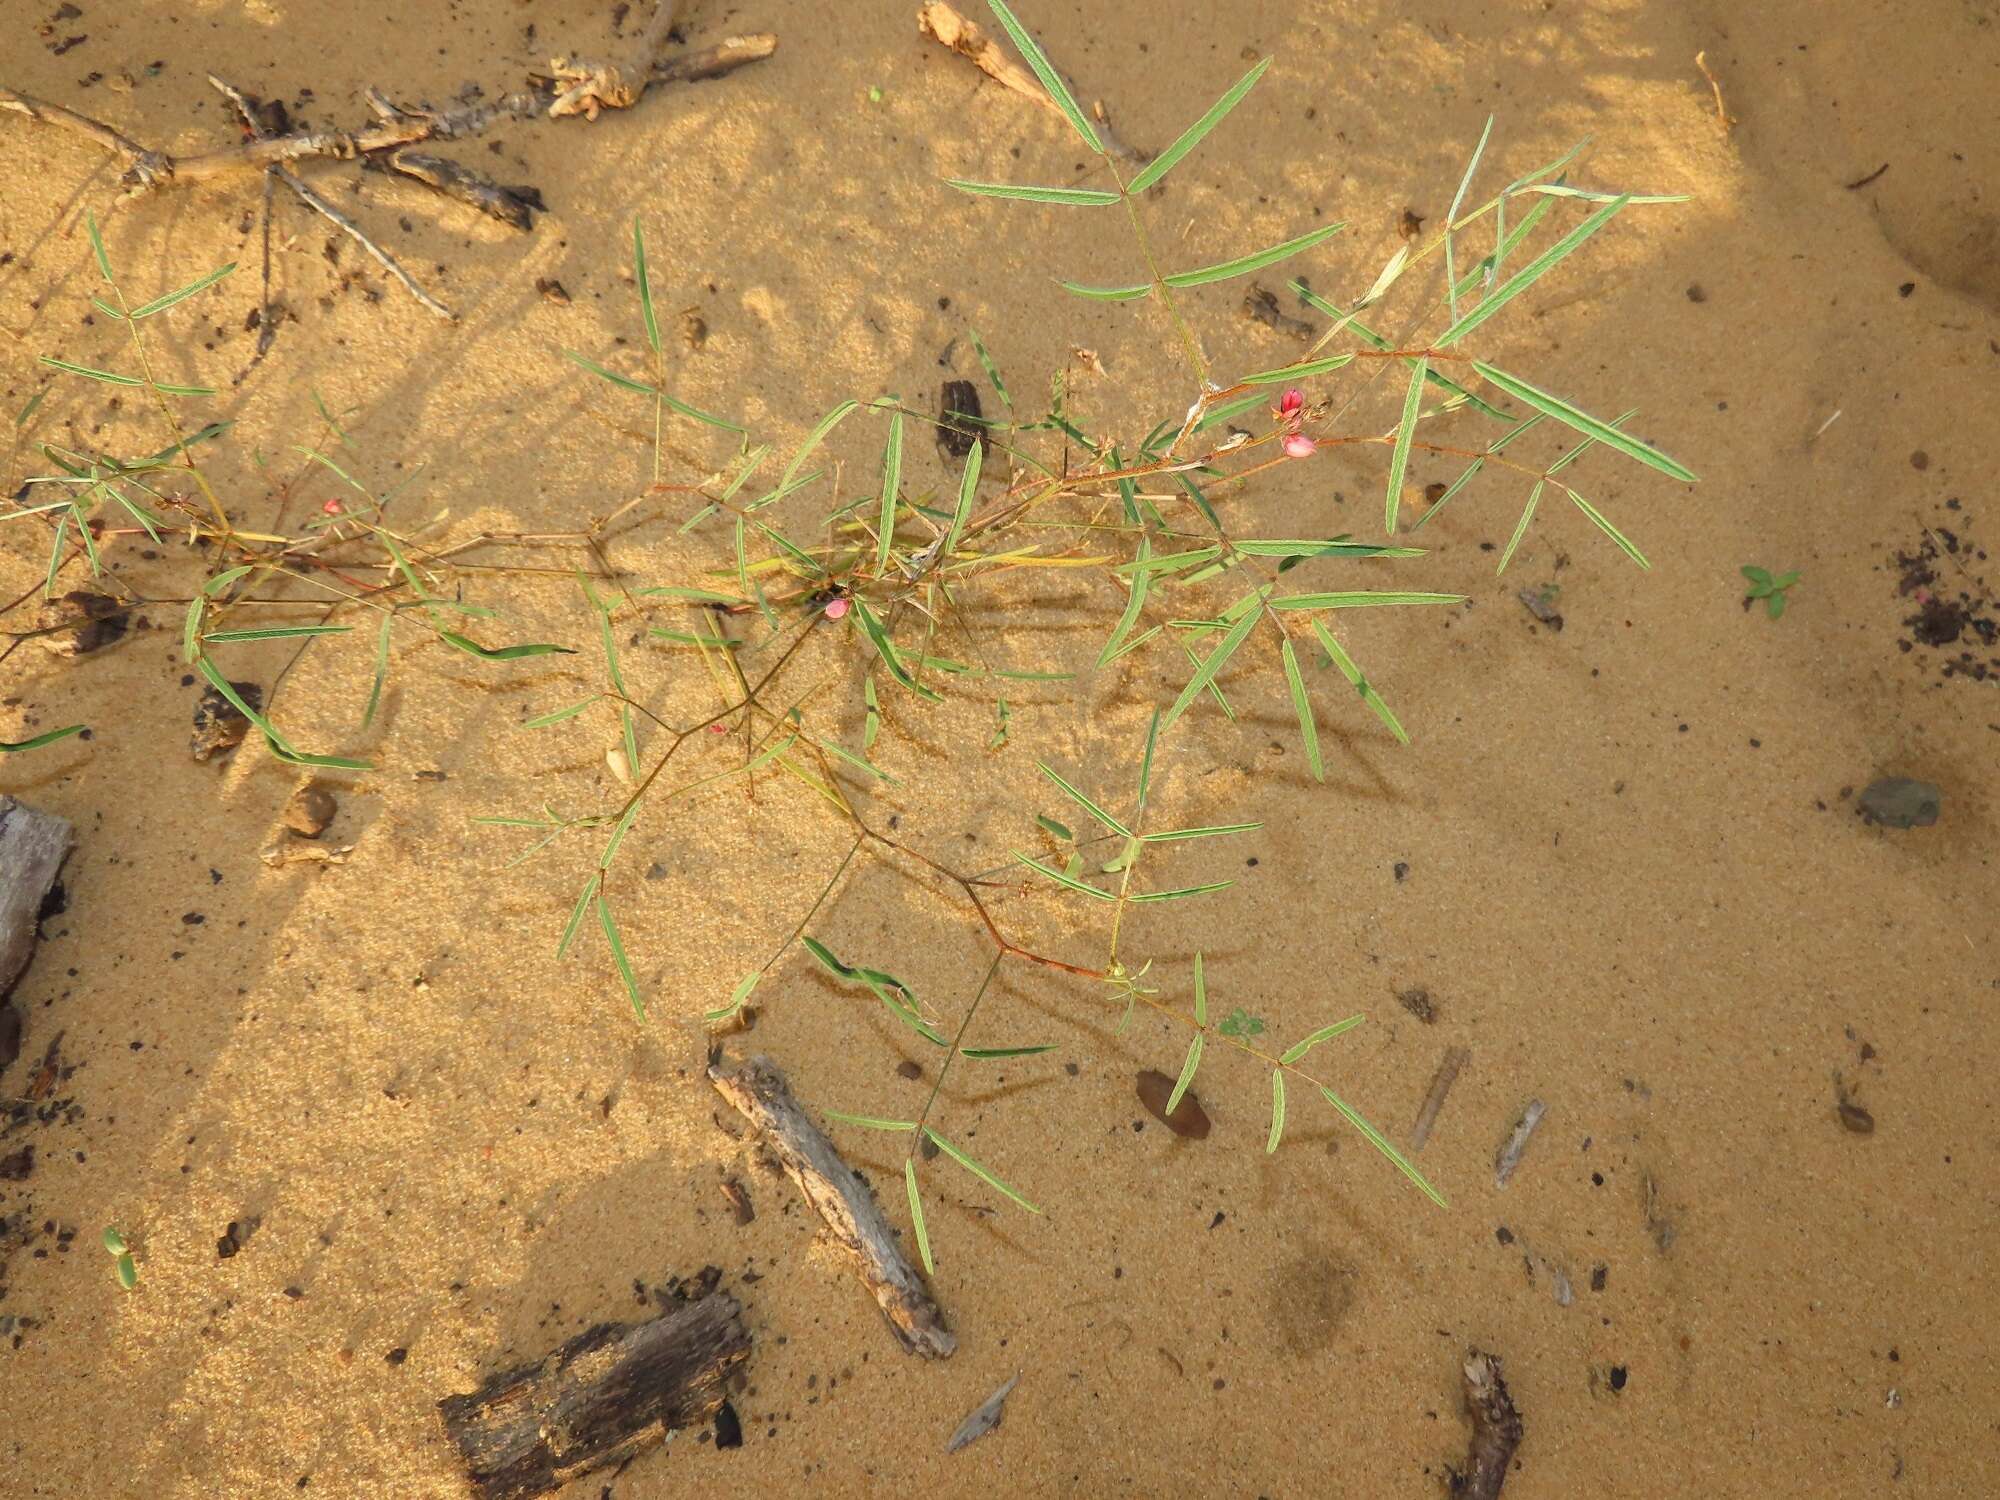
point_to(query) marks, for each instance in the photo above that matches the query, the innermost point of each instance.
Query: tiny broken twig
(1496, 1430)
(1728, 120)
(1862, 182)
(148, 165)
(340, 220)
(1262, 304)
(841, 1197)
(1447, 1074)
(945, 26)
(604, 1397)
(1517, 1142)
(513, 206)
(985, 1417)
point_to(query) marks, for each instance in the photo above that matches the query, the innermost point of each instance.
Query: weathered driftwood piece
(1496, 1430)
(841, 1197)
(945, 26)
(602, 1398)
(33, 846)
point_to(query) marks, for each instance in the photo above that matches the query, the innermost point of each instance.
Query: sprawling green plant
(858, 593)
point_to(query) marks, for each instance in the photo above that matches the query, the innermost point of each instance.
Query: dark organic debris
(513, 206)
(219, 725)
(80, 622)
(1496, 1430)
(1417, 1001)
(984, 1418)
(738, 1198)
(1189, 1120)
(1855, 1118)
(1901, 802)
(960, 399)
(552, 290)
(1455, 1058)
(1541, 603)
(1263, 305)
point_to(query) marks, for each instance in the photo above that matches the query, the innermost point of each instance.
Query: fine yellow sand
(1632, 876)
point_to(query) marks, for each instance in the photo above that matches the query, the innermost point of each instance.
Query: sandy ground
(1623, 859)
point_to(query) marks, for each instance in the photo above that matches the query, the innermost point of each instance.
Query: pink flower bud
(835, 608)
(1298, 445)
(333, 507)
(1291, 403)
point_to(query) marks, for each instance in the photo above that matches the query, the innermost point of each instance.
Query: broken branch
(841, 1197)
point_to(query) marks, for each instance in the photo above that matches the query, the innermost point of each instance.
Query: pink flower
(333, 507)
(1291, 403)
(1298, 445)
(835, 608)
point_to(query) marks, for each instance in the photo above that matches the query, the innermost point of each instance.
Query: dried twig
(1496, 1430)
(1517, 1142)
(945, 26)
(1728, 120)
(1447, 1074)
(983, 1418)
(758, 1090)
(392, 129)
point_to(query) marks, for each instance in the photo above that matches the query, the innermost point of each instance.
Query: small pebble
(1855, 1118)
(1902, 802)
(310, 811)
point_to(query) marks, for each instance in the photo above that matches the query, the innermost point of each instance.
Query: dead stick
(146, 168)
(1496, 1430)
(602, 1398)
(1517, 1142)
(841, 1197)
(1447, 1074)
(945, 26)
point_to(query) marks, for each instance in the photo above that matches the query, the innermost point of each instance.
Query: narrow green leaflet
(992, 370)
(1303, 706)
(1243, 265)
(381, 667)
(1214, 662)
(1360, 598)
(617, 945)
(1044, 70)
(1520, 526)
(645, 285)
(1277, 1111)
(1200, 993)
(1399, 459)
(736, 998)
(161, 304)
(1305, 1044)
(1302, 371)
(616, 379)
(1098, 293)
(871, 624)
(993, 1052)
(870, 1122)
(977, 1170)
(1583, 422)
(97, 245)
(1186, 890)
(280, 747)
(1082, 801)
(1333, 547)
(576, 916)
(542, 721)
(1451, 216)
(1033, 193)
(1188, 1065)
(968, 489)
(1060, 878)
(1135, 601)
(814, 438)
(1603, 525)
(892, 484)
(1146, 764)
(1529, 274)
(471, 647)
(1166, 161)
(1213, 831)
(1376, 1139)
(15, 747)
(1361, 684)
(917, 1215)
(276, 632)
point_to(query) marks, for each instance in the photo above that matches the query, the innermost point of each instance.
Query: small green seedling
(128, 1269)
(1767, 586)
(1240, 1022)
